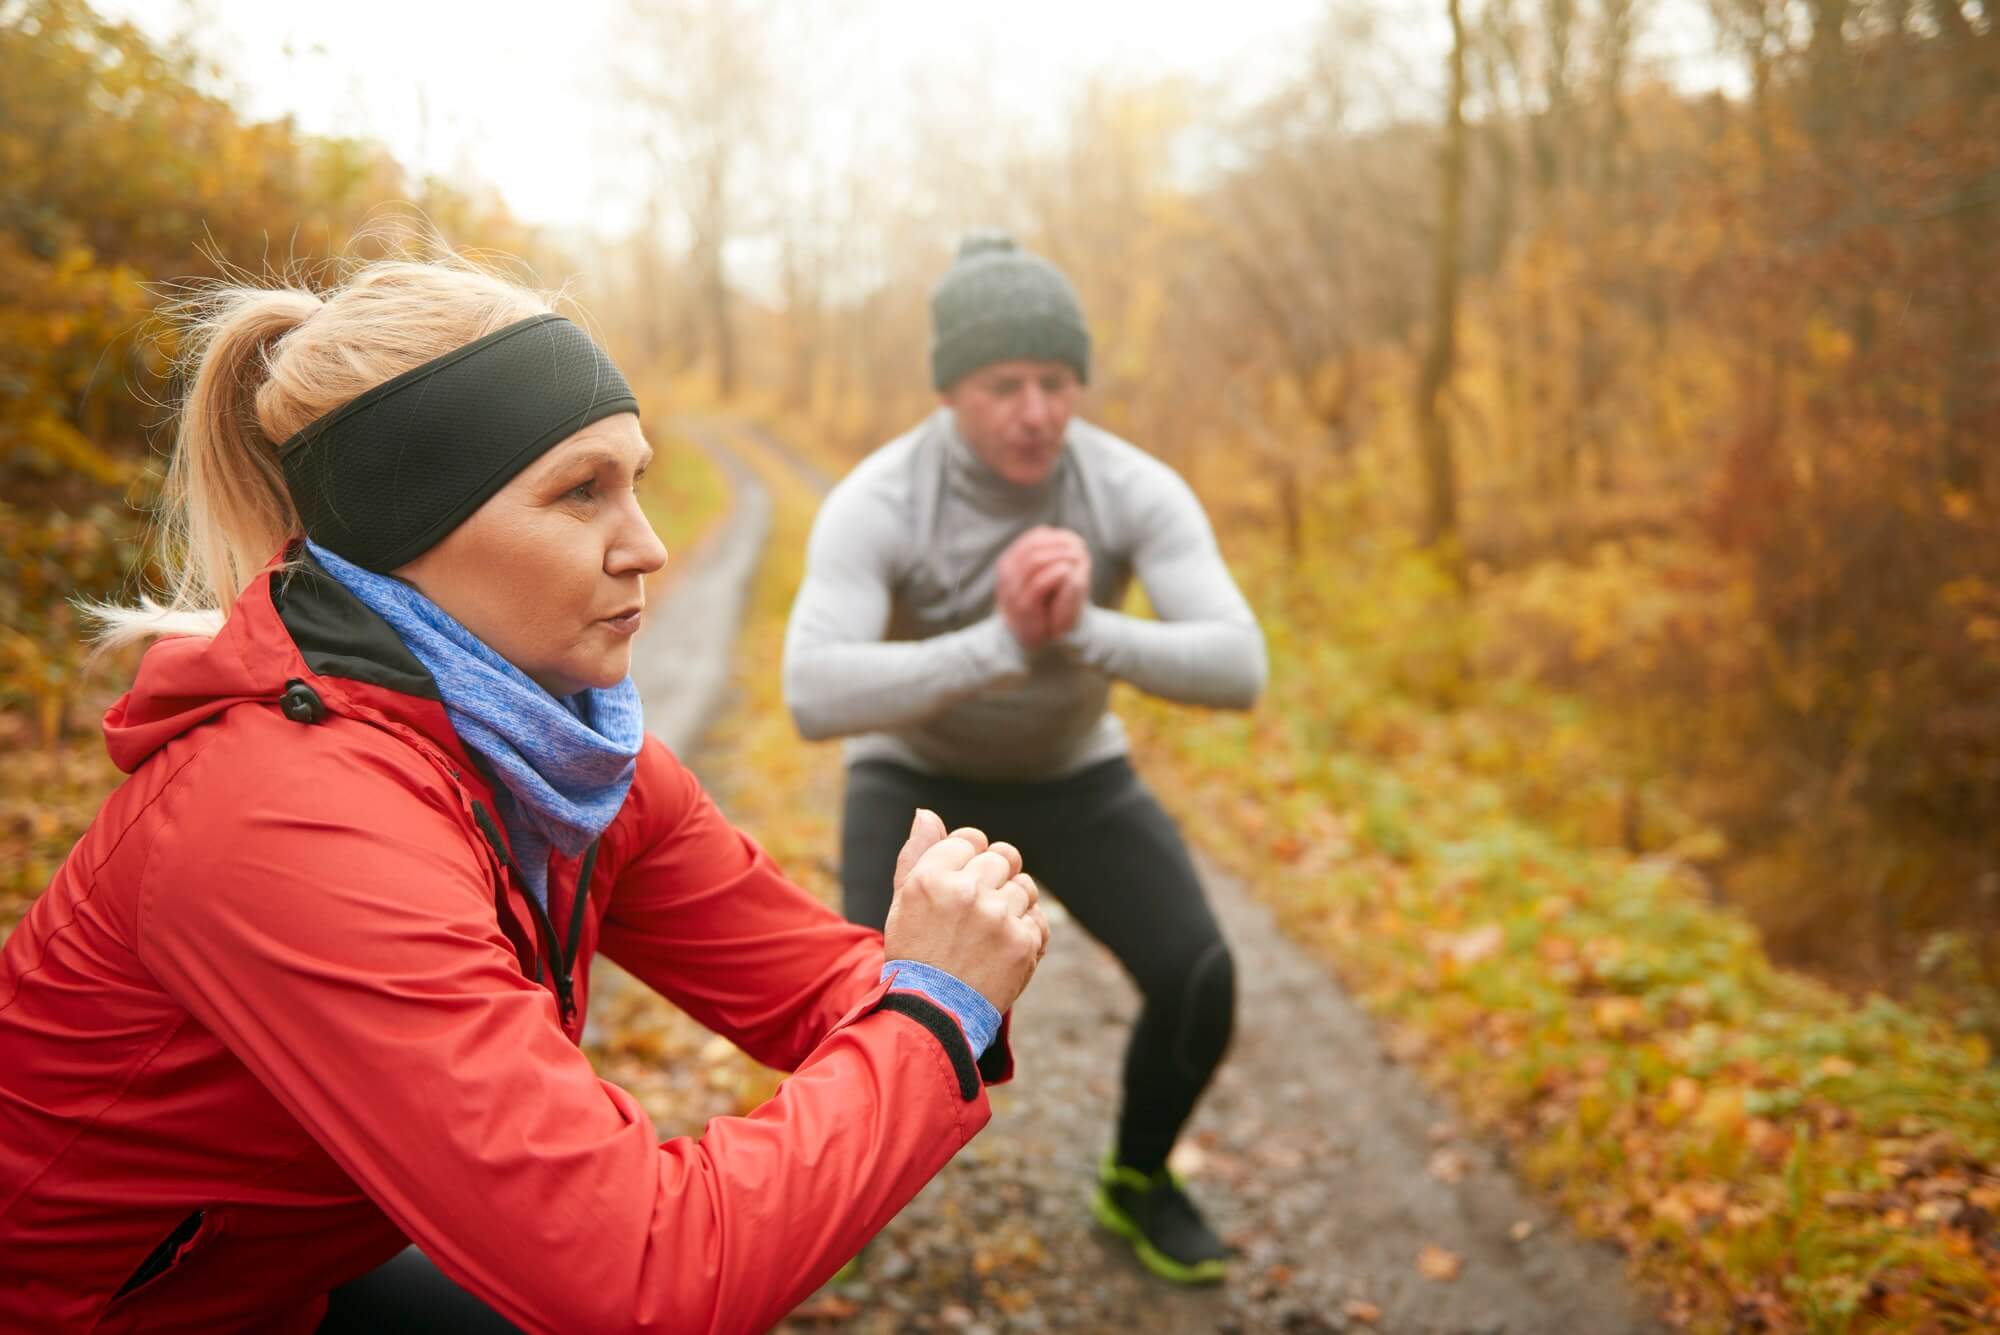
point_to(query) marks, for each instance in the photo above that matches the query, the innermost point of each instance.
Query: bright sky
(509, 93)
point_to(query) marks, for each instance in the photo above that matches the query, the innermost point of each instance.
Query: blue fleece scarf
(565, 765)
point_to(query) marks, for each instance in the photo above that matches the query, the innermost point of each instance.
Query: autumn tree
(695, 79)
(1440, 526)
(124, 177)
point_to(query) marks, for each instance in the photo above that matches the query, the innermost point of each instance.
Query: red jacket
(285, 1009)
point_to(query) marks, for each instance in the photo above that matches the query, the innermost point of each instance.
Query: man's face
(1014, 415)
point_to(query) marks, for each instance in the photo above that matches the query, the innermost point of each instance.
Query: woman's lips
(628, 623)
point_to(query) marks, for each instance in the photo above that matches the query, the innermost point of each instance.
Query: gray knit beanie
(997, 303)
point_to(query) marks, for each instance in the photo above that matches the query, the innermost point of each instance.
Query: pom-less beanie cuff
(1033, 337)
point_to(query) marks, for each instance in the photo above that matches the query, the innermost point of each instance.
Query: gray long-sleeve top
(896, 643)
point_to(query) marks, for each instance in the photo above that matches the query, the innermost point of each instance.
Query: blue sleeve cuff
(974, 1013)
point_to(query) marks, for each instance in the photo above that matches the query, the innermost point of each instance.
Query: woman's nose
(637, 548)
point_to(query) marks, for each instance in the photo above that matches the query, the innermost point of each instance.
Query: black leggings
(1097, 841)
(408, 1293)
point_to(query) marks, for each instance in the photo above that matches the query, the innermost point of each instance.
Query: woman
(309, 988)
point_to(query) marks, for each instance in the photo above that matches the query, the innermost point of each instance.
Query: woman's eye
(582, 491)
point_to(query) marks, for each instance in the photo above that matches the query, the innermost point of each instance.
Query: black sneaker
(1155, 1215)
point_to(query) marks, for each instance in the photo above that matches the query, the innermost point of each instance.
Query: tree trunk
(1970, 399)
(722, 330)
(1440, 469)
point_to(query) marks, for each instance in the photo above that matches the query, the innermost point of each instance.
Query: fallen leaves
(1684, 1093)
(828, 1307)
(1434, 1262)
(1706, 1109)
(1449, 1165)
(1616, 1017)
(49, 793)
(1686, 1204)
(1471, 947)
(1187, 1158)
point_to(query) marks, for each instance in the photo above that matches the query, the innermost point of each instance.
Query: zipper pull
(560, 961)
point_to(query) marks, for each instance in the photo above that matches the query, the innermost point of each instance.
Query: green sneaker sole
(1155, 1260)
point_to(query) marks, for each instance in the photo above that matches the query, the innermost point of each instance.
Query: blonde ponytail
(262, 362)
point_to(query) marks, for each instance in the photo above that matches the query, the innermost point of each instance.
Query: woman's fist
(963, 904)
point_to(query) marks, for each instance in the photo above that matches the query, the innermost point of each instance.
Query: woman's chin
(587, 665)
(604, 676)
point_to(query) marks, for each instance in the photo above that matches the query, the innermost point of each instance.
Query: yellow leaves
(1720, 1111)
(1767, 1139)
(73, 262)
(1829, 346)
(1617, 1017)
(1703, 1207)
(1674, 1209)
(1957, 1243)
(65, 447)
(1706, 1197)
(1457, 950)
(1549, 908)
(1661, 1098)
(1288, 847)
(1683, 1096)
(49, 790)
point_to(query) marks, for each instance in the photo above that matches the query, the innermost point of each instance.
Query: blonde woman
(309, 988)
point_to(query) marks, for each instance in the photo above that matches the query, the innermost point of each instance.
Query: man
(959, 622)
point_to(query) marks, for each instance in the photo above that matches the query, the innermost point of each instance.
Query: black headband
(382, 478)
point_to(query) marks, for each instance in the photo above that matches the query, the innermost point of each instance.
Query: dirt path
(681, 662)
(1324, 1163)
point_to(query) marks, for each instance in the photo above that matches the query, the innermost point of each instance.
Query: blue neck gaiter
(564, 765)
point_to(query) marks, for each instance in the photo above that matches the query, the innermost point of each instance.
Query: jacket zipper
(562, 958)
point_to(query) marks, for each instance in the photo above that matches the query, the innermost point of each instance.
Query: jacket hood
(184, 681)
(295, 625)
